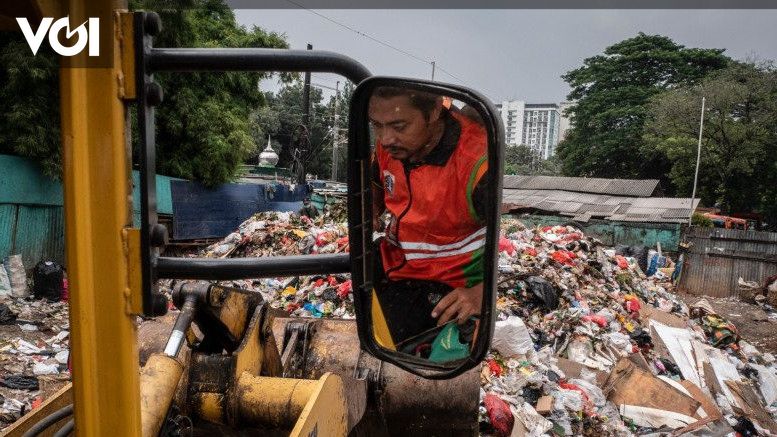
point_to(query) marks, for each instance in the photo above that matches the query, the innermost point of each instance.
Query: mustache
(394, 148)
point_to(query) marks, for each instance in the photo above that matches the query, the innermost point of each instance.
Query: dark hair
(425, 102)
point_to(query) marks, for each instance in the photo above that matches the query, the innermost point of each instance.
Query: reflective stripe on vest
(437, 247)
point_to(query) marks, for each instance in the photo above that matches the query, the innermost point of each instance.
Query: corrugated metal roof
(615, 187)
(584, 206)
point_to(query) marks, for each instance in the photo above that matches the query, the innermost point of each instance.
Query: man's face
(401, 128)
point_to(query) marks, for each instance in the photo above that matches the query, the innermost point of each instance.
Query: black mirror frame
(360, 220)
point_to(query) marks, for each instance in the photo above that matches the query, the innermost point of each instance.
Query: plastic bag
(511, 337)
(595, 394)
(17, 275)
(446, 346)
(532, 421)
(569, 400)
(48, 279)
(544, 291)
(5, 282)
(499, 414)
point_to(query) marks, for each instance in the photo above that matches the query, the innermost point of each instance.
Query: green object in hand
(446, 346)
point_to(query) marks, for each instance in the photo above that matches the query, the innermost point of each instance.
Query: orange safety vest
(439, 236)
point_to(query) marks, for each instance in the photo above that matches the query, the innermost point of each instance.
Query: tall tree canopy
(282, 119)
(203, 127)
(522, 160)
(611, 92)
(738, 168)
(29, 102)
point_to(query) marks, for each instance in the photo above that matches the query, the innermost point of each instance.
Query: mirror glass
(432, 205)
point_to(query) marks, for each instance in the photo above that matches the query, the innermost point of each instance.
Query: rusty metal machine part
(402, 403)
(158, 382)
(235, 389)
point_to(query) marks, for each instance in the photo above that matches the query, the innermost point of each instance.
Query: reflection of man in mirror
(429, 199)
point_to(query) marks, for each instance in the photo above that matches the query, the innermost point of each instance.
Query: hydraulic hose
(66, 430)
(49, 420)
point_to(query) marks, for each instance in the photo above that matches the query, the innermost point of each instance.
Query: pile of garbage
(285, 233)
(587, 344)
(34, 345)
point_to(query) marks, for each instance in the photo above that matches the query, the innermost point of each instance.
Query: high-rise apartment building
(534, 125)
(541, 128)
(512, 119)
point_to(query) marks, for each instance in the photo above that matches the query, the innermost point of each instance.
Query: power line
(374, 39)
(451, 75)
(331, 20)
(318, 85)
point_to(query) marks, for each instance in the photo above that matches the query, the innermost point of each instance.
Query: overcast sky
(509, 54)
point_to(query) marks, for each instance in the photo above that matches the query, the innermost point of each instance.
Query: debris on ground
(586, 343)
(618, 353)
(34, 353)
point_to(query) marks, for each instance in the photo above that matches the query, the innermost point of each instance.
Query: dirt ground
(753, 323)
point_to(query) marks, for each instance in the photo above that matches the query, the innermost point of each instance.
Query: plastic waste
(446, 346)
(568, 400)
(499, 414)
(511, 337)
(5, 282)
(17, 275)
(544, 291)
(7, 316)
(45, 369)
(47, 282)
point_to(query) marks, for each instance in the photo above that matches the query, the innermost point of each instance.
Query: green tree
(203, 127)
(522, 160)
(282, 119)
(611, 92)
(29, 102)
(738, 169)
(204, 131)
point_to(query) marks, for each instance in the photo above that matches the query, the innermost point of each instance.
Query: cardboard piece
(639, 360)
(679, 345)
(707, 404)
(648, 312)
(544, 405)
(749, 405)
(574, 370)
(631, 386)
(519, 430)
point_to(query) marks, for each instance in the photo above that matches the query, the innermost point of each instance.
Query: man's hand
(459, 304)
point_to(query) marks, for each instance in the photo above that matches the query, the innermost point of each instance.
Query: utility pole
(698, 159)
(336, 132)
(433, 66)
(304, 141)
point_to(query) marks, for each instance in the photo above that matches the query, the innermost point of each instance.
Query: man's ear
(436, 112)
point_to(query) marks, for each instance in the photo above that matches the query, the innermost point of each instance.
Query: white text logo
(90, 36)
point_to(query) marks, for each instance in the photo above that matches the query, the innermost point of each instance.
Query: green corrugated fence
(32, 219)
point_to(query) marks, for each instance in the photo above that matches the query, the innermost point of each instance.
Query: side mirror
(425, 166)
